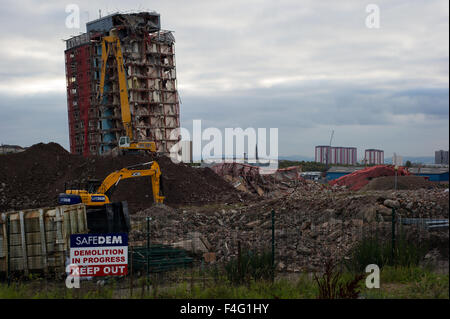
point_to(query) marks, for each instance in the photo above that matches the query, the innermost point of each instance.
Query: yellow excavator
(99, 196)
(111, 43)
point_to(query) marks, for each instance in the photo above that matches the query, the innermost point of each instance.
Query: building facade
(441, 157)
(149, 63)
(336, 155)
(397, 160)
(8, 149)
(374, 157)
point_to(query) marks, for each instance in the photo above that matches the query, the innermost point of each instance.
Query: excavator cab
(93, 185)
(124, 141)
(126, 145)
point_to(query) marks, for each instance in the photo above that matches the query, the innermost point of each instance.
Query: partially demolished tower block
(149, 62)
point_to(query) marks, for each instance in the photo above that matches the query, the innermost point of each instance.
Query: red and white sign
(99, 254)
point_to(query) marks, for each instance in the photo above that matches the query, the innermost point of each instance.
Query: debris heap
(311, 223)
(253, 180)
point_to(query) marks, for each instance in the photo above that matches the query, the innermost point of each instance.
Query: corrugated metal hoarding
(39, 239)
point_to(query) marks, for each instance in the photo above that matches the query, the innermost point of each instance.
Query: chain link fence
(191, 248)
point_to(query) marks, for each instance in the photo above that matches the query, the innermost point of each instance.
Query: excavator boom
(111, 43)
(100, 197)
(114, 178)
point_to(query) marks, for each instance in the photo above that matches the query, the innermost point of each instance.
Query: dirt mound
(403, 183)
(35, 177)
(50, 148)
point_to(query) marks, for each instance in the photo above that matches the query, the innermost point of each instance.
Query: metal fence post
(203, 272)
(148, 249)
(395, 180)
(8, 243)
(239, 261)
(273, 245)
(131, 271)
(393, 234)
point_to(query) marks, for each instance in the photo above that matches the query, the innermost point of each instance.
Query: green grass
(303, 288)
(39, 289)
(395, 282)
(249, 267)
(402, 274)
(372, 250)
(409, 283)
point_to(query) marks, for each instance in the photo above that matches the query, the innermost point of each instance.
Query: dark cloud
(34, 119)
(305, 68)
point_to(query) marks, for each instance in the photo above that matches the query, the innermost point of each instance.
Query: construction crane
(111, 43)
(98, 195)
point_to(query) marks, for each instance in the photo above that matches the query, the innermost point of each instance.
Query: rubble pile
(254, 180)
(35, 177)
(310, 223)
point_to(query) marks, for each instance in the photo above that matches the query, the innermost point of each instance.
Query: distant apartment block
(336, 155)
(374, 157)
(186, 151)
(441, 157)
(397, 160)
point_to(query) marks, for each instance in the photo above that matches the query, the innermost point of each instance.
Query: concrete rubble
(311, 223)
(252, 180)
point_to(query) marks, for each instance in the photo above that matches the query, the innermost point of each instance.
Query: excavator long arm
(113, 43)
(114, 178)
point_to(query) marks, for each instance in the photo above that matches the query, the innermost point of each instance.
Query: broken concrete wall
(248, 178)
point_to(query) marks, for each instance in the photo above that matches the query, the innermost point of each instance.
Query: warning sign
(99, 254)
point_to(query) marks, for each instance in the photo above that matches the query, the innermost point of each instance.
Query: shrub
(332, 284)
(249, 266)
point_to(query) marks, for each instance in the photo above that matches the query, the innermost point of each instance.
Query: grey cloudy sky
(306, 67)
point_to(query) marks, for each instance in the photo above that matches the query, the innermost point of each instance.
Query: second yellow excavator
(99, 196)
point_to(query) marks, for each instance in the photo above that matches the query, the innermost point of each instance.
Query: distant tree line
(306, 166)
(315, 166)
